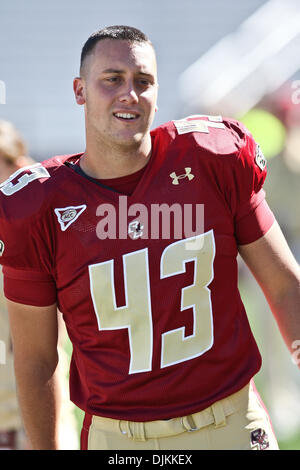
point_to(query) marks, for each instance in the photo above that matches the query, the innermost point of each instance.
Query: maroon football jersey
(147, 283)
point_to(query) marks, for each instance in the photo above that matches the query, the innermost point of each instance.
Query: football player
(163, 355)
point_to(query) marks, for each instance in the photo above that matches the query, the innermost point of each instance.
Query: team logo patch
(259, 158)
(135, 229)
(259, 439)
(67, 215)
(1, 247)
(187, 174)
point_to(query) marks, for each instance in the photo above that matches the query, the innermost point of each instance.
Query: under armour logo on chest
(187, 174)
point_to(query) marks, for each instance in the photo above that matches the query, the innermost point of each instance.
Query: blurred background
(237, 59)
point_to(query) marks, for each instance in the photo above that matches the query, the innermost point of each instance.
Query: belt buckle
(187, 425)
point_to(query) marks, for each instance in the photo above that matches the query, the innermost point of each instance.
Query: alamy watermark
(296, 354)
(2, 92)
(157, 221)
(296, 93)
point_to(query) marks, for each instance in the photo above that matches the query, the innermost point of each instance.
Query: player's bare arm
(144, 314)
(34, 336)
(278, 273)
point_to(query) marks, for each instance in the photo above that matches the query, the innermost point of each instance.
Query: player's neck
(103, 162)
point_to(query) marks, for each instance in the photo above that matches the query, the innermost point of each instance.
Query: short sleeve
(24, 248)
(252, 214)
(28, 287)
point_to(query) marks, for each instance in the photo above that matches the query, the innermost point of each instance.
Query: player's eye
(145, 82)
(112, 80)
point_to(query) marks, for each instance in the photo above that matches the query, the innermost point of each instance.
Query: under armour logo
(187, 174)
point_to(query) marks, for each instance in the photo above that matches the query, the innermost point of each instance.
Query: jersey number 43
(136, 314)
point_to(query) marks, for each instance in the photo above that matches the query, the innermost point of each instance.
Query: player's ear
(79, 90)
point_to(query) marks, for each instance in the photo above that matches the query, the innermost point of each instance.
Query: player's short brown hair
(117, 32)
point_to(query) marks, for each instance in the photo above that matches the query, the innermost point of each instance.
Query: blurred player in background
(13, 156)
(163, 355)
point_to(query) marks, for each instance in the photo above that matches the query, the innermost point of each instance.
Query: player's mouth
(126, 117)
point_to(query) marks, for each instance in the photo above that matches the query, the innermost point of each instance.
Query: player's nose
(128, 94)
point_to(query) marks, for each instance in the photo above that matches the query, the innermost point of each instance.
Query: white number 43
(136, 314)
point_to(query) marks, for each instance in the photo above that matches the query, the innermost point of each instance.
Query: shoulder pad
(22, 178)
(26, 191)
(216, 134)
(38, 172)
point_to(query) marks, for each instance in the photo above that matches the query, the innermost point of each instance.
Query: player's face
(120, 92)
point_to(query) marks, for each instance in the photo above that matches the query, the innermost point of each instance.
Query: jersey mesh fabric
(45, 263)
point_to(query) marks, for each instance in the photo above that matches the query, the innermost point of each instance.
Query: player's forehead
(112, 54)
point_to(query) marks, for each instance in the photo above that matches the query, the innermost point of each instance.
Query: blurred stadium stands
(244, 66)
(40, 44)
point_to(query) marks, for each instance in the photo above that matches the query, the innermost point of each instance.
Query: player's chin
(130, 139)
(132, 142)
